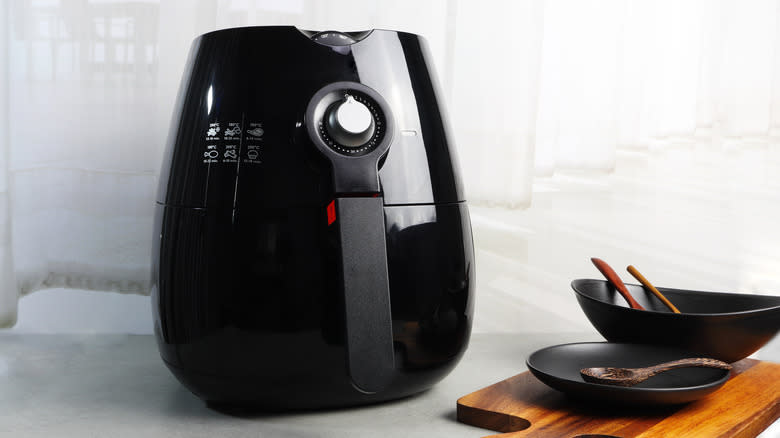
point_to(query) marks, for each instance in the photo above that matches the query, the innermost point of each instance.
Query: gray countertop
(116, 385)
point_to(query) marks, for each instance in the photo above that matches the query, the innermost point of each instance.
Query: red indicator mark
(331, 212)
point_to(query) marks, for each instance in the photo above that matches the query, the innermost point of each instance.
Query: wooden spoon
(632, 376)
(646, 283)
(613, 278)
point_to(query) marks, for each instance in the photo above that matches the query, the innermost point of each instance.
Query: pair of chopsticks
(613, 278)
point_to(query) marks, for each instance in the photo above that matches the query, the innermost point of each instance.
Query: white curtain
(532, 86)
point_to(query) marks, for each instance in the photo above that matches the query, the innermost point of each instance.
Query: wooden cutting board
(522, 406)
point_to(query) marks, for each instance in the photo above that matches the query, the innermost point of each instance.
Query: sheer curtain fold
(494, 97)
(83, 139)
(745, 69)
(8, 291)
(532, 87)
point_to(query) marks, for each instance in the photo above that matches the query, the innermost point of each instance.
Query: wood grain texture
(613, 278)
(522, 406)
(633, 376)
(646, 283)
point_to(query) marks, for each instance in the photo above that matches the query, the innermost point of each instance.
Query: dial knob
(350, 122)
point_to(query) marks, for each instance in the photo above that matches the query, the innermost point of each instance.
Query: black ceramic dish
(723, 326)
(559, 367)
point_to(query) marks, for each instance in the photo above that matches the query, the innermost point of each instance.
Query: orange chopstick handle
(641, 278)
(613, 278)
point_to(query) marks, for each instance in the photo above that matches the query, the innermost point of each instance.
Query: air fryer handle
(364, 281)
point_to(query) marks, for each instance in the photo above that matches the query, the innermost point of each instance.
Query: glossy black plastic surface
(725, 326)
(263, 78)
(248, 307)
(253, 260)
(559, 367)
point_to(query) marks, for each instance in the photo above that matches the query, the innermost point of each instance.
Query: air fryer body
(248, 270)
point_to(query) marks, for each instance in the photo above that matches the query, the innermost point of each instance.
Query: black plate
(725, 326)
(559, 367)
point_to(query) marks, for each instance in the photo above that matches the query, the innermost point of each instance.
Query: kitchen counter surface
(117, 386)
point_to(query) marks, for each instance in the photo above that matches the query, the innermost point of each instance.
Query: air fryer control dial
(350, 122)
(348, 119)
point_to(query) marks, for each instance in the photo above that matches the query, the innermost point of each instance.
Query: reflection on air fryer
(264, 298)
(435, 285)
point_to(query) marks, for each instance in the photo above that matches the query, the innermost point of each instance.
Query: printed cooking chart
(224, 143)
(253, 139)
(211, 154)
(232, 139)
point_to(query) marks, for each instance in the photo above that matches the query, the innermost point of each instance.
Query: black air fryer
(312, 244)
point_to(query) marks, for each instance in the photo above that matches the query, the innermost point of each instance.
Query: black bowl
(725, 326)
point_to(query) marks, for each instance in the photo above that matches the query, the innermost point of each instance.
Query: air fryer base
(273, 338)
(262, 394)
